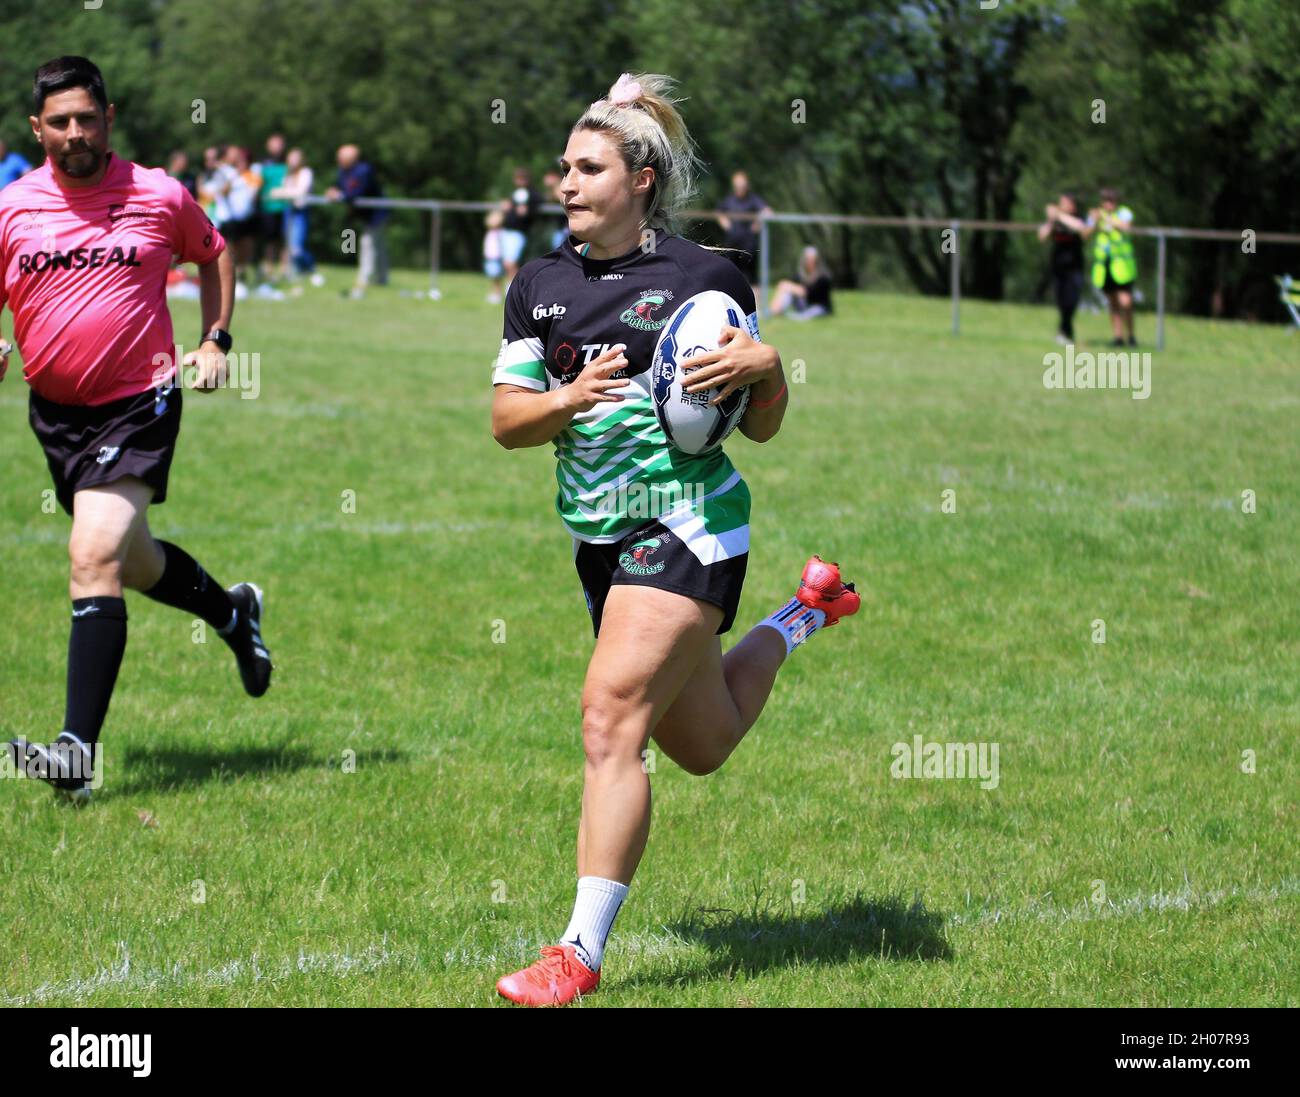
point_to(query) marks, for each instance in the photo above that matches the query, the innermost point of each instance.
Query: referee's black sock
(185, 585)
(95, 650)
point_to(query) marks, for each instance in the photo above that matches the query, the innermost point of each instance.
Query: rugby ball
(691, 423)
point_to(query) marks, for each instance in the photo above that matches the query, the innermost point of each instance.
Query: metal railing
(1162, 234)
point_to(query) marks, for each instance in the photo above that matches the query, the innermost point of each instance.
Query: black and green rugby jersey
(615, 468)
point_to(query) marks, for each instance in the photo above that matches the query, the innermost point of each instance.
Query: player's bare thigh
(107, 521)
(702, 725)
(651, 643)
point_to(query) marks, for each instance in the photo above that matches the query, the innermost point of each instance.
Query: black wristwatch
(221, 338)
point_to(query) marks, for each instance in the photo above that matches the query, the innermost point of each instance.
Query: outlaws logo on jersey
(636, 560)
(642, 315)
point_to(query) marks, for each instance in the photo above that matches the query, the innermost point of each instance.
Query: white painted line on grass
(1185, 899)
(261, 970)
(372, 958)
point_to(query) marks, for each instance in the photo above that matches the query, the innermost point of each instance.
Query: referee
(86, 241)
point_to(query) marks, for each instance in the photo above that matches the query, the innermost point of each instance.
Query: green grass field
(1123, 858)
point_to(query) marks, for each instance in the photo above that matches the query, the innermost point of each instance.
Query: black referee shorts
(653, 556)
(89, 447)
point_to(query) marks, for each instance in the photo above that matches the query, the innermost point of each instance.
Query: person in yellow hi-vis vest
(1114, 267)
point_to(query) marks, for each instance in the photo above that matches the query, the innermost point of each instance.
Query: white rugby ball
(691, 423)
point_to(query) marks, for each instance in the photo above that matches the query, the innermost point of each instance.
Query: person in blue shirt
(742, 233)
(357, 179)
(12, 166)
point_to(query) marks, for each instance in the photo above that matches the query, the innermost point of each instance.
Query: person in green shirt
(271, 215)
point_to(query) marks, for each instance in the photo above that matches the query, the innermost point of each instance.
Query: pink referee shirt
(84, 271)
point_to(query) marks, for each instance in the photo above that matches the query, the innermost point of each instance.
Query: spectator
(492, 245)
(207, 182)
(518, 220)
(294, 192)
(559, 221)
(810, 296)
(12, 166)
(234, 186)
(1066, 230)
(214, 182)
(357, 179)
(271, 216)
(1114, 268)
(179, 284)
(741, 233)
(178, 167)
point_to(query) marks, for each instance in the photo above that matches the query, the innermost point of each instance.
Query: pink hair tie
(625, 91)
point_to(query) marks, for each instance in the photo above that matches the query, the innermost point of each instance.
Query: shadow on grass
(887, 929)
(164, 769)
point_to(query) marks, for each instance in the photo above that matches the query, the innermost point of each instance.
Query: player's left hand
(211, 367)
(740, 360)
(6, 349)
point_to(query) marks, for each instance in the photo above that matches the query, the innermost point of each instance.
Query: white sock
(795, 622)
(593, 913)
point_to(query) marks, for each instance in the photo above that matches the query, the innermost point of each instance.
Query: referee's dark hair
(68, 72)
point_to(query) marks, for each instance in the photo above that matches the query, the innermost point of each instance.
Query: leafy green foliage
(937, 109)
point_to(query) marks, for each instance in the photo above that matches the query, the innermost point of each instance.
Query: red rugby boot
(821, 588)
(558, 977)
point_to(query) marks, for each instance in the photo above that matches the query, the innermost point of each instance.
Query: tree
(1202, 128)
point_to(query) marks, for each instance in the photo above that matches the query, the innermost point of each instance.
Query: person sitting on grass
(809, 297)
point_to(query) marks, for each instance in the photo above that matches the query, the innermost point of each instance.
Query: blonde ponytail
(641, 117)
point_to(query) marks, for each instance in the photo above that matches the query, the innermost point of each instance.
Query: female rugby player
(580, 330)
